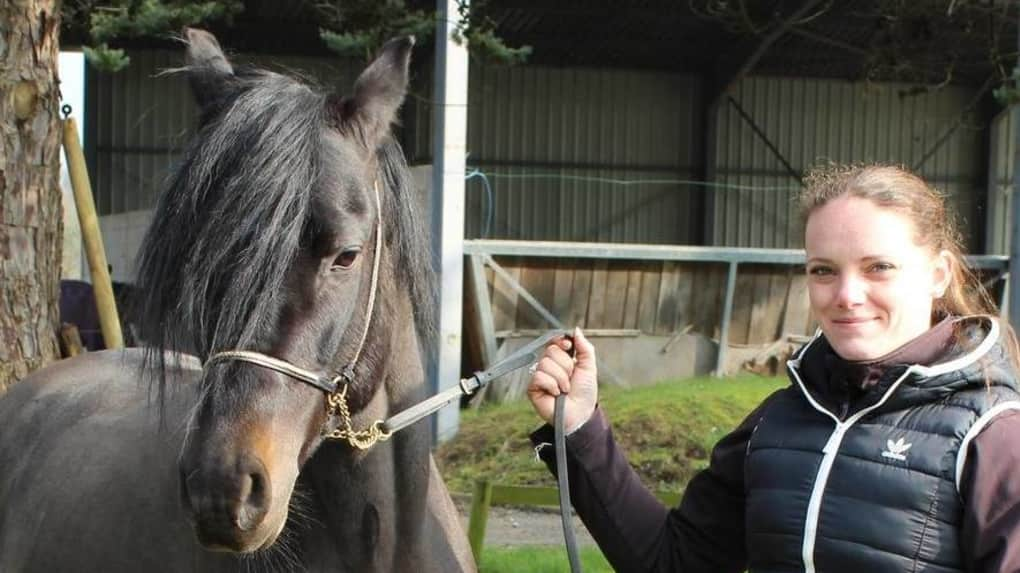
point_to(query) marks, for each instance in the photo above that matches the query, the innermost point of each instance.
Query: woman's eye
(881, 267)
(346, 259)
(820, 271)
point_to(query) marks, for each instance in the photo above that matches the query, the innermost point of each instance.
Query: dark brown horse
(289, 230)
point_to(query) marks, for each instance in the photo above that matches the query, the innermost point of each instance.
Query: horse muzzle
(228, 506)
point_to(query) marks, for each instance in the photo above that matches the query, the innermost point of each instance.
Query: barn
(637, 175)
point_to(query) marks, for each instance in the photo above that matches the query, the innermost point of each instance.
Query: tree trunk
(30, 202)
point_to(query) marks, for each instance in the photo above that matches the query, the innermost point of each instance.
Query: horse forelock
(229, 225)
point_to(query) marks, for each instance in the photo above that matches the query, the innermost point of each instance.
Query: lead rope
(336, 403)
(563, 483)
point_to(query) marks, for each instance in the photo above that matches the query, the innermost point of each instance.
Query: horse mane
(229, 223)
(413, 247)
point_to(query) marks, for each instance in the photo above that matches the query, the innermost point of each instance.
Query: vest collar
(882, 392)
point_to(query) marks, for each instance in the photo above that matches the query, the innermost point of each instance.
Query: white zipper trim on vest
(836, 438)
(828, 458)
(961, 454)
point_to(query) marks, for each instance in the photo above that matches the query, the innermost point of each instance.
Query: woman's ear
(942, 273)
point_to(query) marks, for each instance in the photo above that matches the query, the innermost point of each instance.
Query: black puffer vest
(876, 490)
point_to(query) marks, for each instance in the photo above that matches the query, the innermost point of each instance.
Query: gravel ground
(508, 526)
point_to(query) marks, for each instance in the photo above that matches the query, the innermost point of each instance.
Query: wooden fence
(651, 297)
(734, 296)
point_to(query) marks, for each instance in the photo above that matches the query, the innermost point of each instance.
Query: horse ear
(209, 72)
(378, 93)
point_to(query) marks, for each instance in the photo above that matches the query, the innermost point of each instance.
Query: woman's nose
(852, 291)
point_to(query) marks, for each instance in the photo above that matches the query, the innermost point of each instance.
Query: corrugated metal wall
(141, 118)
(560, 148)
(564, 150)
(138, 123)
(815, 120)
(1000, 183)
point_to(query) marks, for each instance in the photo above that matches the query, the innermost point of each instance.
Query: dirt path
(508, 526)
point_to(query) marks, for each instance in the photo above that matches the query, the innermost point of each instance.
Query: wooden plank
(478, 314)
(549, 496)
(797, 317)
(717, 294)
(580, 296)
(707, 299)
(526, 317)
(616, 295)
(525, 296)
(490, 280)
(648, 305)
(743, 298)
(633, 301)
(481, 499)
(563, 278)
(537, 277)
(525, 495)
(759, 328)
(597, 304)
(684, 292)
(777, 300)
(472, 346)
(702, 300)
(665, 314)
(505, 297)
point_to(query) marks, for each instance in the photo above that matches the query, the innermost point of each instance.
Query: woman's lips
(851, 322)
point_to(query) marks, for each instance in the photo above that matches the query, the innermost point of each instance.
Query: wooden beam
(102, 285)
(483, 310)
(527, 296)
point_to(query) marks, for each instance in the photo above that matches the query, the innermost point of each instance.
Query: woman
(895, 447)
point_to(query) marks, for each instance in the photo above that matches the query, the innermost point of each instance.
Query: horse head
(279, 236)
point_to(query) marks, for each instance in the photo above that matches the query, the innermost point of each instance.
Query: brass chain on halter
(360, 439)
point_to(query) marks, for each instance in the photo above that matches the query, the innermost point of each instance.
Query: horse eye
(346, 258)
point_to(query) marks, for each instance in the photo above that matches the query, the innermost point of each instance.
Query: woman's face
(871, 285)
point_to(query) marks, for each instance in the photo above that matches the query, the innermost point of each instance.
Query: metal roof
(914, 41)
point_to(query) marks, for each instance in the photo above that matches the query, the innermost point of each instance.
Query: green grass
(539, 560)
(667, 430)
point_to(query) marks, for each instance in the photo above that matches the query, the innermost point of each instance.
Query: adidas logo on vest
(896, 450)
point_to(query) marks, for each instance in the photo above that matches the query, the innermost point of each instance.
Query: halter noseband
(335, 386)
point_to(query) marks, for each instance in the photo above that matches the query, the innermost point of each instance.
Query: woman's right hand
(577, 377)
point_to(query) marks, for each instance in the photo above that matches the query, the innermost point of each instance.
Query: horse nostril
(254, 496)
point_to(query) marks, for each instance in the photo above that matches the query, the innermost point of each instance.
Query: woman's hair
(897, 189)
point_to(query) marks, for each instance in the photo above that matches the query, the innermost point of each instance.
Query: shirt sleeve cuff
(577, 441)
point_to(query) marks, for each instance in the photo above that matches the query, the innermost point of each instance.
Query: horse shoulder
(450, 549)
